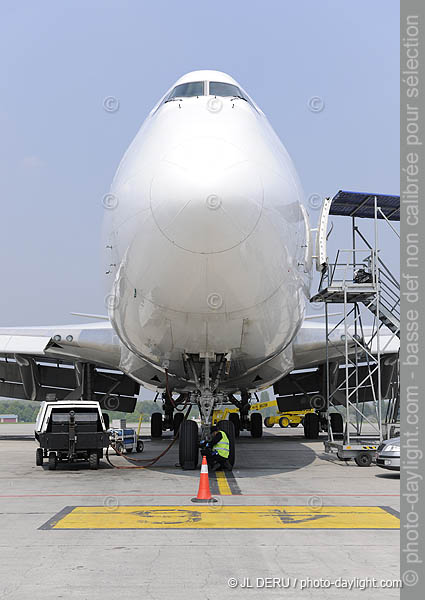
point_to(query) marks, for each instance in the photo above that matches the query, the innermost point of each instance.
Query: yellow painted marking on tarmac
(227, 517)
(223, 485)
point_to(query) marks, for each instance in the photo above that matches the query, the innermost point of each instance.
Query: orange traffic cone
(204, 492)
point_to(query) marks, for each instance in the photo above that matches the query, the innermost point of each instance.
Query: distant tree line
(26, 410)
(143, 408)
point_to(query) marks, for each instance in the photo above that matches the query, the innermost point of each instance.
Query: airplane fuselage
(207, 240)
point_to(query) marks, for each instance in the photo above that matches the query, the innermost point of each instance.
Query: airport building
(8, 418)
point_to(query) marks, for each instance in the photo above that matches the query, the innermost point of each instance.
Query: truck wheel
(284, 422)
(311, 426)
(119, 448)
(229, 428)
(235, 419)
(39, 457)
(93, 461)
(140, 446)
(53, 461)
(363, 460)
(156, 425)
(188, 445)
(268, 422)
(337, 425)
(256, 425)
(178, 419)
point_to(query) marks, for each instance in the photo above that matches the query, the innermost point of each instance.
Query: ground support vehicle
(125, 439)
(70, 431)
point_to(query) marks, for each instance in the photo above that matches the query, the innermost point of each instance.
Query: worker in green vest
(217, 450)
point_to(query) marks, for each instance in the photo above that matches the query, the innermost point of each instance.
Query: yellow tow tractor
(284, 419)
(222, 414)
(287, 419)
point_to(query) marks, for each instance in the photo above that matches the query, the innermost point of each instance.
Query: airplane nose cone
(206, 196)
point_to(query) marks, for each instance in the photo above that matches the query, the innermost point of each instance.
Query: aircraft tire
(337, 425)
(256, 425)
(235, 419)
(311, 426)
(177, 421)
(156, 425)
(188, 445)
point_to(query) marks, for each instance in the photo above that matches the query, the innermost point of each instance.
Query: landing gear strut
(172, 417)
(253, 424)
(206, 372)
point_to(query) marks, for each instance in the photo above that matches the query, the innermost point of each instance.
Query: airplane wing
(310, 344)
(308, 380)
(50, 362)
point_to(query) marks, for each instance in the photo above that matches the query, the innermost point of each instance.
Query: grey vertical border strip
(412, 352)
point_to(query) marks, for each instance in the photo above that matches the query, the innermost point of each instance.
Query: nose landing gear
(206, 371)
(189, 434)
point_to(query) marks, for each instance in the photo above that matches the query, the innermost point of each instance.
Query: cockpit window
(187, 90)
(218, 88)
(193, 89)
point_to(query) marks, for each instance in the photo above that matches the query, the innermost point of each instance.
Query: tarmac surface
(290, 522)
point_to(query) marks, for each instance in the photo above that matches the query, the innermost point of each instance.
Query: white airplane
(208, 261)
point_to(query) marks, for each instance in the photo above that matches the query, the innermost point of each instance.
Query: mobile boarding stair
(365, 372)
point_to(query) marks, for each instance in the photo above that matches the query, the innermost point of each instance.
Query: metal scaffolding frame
(360, 280)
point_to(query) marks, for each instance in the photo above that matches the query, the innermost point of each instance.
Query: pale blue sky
(59, 148)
